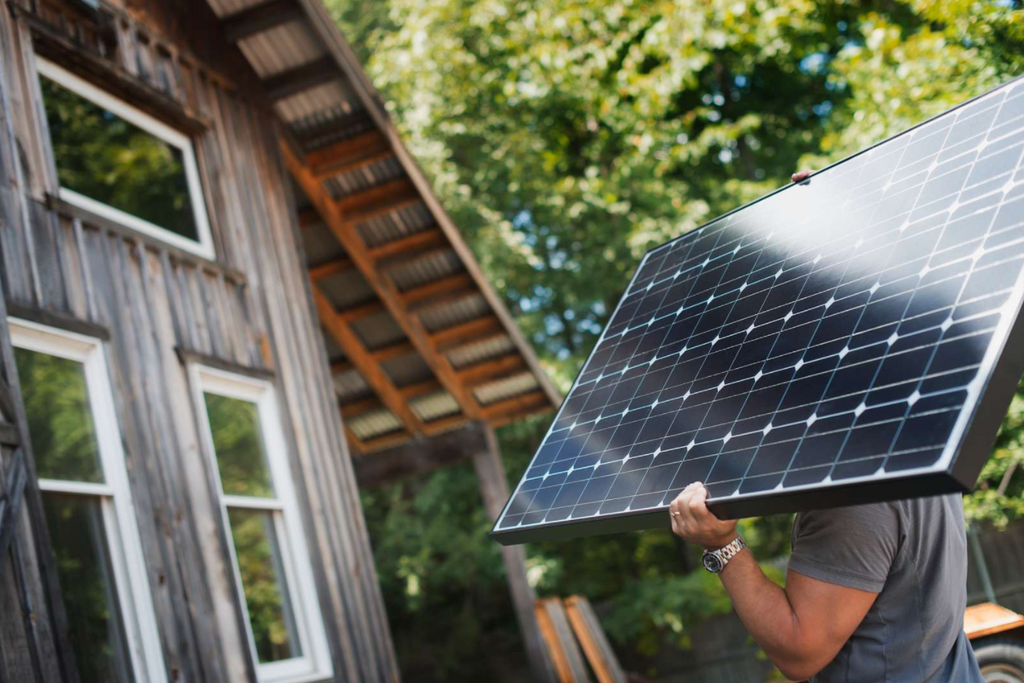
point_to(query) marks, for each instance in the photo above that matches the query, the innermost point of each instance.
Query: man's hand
(692, 520)
(800, 627)
(801, 176)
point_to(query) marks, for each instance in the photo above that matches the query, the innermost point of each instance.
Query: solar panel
(853, 338)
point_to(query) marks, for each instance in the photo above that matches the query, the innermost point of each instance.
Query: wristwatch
(715, 560)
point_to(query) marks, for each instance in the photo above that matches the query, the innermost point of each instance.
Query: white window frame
(314, 664)
(83, 88)
(119, 518)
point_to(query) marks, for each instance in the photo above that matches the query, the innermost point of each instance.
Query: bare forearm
(768, 615)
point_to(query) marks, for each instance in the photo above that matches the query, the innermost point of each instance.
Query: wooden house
(228, 296)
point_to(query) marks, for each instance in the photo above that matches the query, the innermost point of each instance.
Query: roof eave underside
(419, 341)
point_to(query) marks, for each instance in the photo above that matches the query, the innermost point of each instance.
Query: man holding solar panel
(846, 352)
(873, 592)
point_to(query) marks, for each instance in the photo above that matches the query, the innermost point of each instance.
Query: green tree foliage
(566, 138)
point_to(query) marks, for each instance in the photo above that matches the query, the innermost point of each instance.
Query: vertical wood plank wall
(251, 307)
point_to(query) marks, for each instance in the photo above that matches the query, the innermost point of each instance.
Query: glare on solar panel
(854, 338)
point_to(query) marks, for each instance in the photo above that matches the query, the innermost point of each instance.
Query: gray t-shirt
(913, 553)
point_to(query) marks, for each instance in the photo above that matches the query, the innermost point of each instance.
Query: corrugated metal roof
(350, 385)
(407, 369)
(223, 8)
(507, 387)
(378, 330)
(406, 221)
(346, 289)
(344, 106)
(434, 406)
(321, 245)
(326, 102)
(421, 270)
(364, 178)
(477, 352)
(455, 313)
(374, 423)
(282, 48)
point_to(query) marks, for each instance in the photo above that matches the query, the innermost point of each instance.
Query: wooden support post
(490, 473)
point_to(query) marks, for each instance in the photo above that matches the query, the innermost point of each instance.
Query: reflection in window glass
(87, 585)
(238, 445)
(60, 422)
(107, 159)
(261, 569)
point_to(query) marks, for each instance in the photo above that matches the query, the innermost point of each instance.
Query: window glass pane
(87, 585)
(238, 445)
(102, 156)
(60, 422)
(259, 563)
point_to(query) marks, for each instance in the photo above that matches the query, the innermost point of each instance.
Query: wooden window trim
(314, 664)
(131, 578)
(202, 247)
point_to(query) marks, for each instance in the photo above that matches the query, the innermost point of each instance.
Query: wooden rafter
(471, 331)
(338, 222)
(401, 348)
(373, 195)
(349, 155)
(444, 424)
(515, 405)
(361, 311)
(309, 216)
(420, 388)
(425, 239)
(260, 18)
(301, 78)
(360, 407)
(424, 293)
(381, 207)
(481, 373)
(367, 366)
(330, 268)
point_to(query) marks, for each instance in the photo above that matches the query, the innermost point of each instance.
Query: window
(88, 507)
(122, 164)
(250, 463)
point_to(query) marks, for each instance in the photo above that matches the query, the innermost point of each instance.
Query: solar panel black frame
(965, 453)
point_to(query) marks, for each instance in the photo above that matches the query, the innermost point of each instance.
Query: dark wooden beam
(419, 456)
(381, 208)
(301, 78)
(357, 250)
(374, 195)
(361, 311)
(367, 366)
(340, 366)
(481, 373)
(260, 18)
(334, 267)
(418, 296)
(412, 391)
(349, 154)
(467, 332)
(418, 240)
(493, 482)
(401, 348)
(309, 216)
(363, 405)
(518, 405)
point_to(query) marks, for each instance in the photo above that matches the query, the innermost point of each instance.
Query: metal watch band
(723, 555)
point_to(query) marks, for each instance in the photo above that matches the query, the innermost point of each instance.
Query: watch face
(712, 563)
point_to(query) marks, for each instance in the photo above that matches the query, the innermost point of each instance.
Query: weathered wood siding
(251, 308)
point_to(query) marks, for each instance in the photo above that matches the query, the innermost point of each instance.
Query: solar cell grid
(840, 332)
